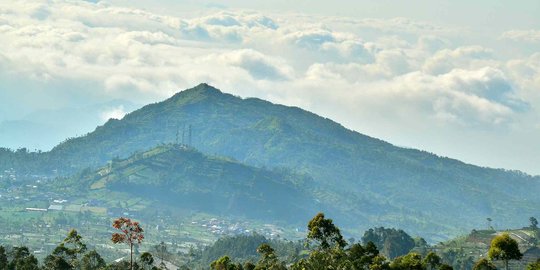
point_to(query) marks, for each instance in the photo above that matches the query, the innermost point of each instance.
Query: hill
(185, 179)
(463, 251)
(369, 182)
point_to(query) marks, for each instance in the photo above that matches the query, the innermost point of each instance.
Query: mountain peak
(203, 88)
(200, 92)
(195, 94)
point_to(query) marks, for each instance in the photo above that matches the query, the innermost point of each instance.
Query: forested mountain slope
(371, 181)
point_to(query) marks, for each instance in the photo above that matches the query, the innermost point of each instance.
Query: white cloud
(114, 113)
(469, 57)
(532, 36)
(258, 65)
(391, 78)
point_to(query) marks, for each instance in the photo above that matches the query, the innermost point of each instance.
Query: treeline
(323, 248)
(69, 255)
(327, 249)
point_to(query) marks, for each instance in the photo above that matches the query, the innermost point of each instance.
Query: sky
(456, 78)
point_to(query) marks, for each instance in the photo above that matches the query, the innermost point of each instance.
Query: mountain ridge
(373, 181)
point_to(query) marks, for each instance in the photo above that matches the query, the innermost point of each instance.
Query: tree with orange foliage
(131, 233)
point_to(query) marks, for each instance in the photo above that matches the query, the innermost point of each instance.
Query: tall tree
(268, 260)
(324, 232)
(66, 255)
(131, 233)
(504, 248)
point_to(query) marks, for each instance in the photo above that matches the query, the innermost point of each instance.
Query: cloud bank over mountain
(411, 82)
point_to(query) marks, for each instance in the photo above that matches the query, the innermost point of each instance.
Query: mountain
(369, 182)
(184, 178)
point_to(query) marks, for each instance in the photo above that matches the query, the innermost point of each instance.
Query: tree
(131, 233)
(53, 262)
(504, 248)
(268, 260)
(224, 263)
(367, 256)
(323, 231)
(378, 263)
(332, 258)
(66, 254)
(147, 260)
(432, 261)
(484, 264)
(534, 223)
(22, 260)
(92, 261)
(74, 246)
(391, 242)
(411, 261)
(249, 266)
(3, 259)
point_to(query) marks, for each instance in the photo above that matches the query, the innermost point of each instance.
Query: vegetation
(323, 231)
(361, 179)
(256, 252)
(504, 248)
(131, 233)
(484, 264)
(392, 242)
(184, 178)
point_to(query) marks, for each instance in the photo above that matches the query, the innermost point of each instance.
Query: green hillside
(183, 178)
(368, 182)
